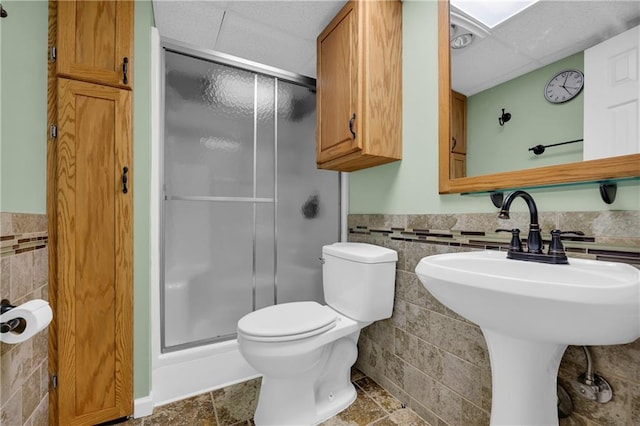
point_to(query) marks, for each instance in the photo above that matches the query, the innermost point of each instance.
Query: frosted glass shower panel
(308, 198)
(265, 136)
(245, 210)
(209, 128)
(208, 270)
(265, 267)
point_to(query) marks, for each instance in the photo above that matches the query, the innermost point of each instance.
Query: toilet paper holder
(17, 325)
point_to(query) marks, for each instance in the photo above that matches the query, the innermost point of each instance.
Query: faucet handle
(556, 247)
(515, 244)
(579, 233)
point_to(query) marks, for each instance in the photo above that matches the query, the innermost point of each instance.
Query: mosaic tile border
(586, 247)
(24, 388)
(21, 243)
(437, 361)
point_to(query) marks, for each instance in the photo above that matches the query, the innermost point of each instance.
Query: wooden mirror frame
(625, 166)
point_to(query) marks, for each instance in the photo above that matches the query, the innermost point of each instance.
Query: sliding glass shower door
(245, 211)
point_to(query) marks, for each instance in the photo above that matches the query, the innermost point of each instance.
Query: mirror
(623, 166)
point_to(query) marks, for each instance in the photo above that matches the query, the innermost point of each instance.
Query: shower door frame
(174, 46)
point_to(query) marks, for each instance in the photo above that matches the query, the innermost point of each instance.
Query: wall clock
(564, 86)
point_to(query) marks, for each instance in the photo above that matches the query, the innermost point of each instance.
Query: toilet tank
(359, 280)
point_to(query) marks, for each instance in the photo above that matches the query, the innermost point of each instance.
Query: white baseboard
(142, 407)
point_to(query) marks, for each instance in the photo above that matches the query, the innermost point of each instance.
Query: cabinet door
(458, 165)
(95, 41)
(458, 123)
(337, 87)
(93, 317)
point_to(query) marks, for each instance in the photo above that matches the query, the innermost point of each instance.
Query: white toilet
(305, 350)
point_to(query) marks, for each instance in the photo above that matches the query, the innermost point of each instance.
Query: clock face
(564, 86)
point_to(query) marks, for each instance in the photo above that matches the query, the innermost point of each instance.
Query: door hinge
(52, 53)
(53, 131)
(54, 381)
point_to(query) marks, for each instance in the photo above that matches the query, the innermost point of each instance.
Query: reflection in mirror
(517, 64)
(488, 80)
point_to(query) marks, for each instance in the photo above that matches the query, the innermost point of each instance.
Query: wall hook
(608, 191)
(506, 116)
(497, 198)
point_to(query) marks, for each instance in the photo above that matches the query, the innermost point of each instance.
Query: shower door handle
(125, 179)
(353, 117)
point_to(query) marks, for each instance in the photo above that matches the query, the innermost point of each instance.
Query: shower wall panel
(308, 198)
(245, 211)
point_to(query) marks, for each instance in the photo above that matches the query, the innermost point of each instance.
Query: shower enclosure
(244, 210)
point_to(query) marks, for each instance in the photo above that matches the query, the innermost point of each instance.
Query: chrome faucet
(534, 239)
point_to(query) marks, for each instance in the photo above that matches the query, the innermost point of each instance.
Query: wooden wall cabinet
(95, 41)
(90, 212)
(458, 147)
(359, 87)
(458, 165)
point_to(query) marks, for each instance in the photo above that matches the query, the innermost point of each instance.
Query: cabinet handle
(454, 144)
(125, 70)
(125, 179)
(353, 117)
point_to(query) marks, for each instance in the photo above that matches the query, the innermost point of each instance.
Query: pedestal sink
(529, 312)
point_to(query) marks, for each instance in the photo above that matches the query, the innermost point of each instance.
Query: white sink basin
(529, 312)
(587, 302)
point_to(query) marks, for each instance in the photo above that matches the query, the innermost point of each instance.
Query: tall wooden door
(94, 252)
(95, 41)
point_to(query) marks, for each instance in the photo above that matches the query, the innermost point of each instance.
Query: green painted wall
(23, 123)
(143, 21)
(405, 187)
(411, 185)
(534, 121)
(1, 203)
(23, 127)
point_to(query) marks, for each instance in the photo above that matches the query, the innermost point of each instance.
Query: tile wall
(437, 362)
(24, 380)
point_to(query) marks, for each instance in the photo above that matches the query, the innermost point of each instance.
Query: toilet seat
(288, 321)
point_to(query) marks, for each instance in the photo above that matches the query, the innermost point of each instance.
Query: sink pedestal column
(523, 377)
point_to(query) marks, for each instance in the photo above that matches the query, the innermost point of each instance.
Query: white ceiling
(547, 31)
(281, 34)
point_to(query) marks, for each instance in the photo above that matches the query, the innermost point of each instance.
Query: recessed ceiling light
(461, 41)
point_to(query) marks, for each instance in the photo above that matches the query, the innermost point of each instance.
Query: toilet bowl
(305, 350)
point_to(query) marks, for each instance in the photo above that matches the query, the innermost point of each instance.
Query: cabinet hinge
(54, 381)
(52, 53)
(53, 131)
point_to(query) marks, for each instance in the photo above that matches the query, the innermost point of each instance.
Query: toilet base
(298, 403)
(312, 396)
(337, 404)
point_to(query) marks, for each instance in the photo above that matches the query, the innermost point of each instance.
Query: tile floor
(235, 405)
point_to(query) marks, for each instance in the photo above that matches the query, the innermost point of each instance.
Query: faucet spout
(534, 239)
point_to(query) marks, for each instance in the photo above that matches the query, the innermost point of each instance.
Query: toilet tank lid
(361, 252)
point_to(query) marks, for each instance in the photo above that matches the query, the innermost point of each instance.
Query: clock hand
(565, 80)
